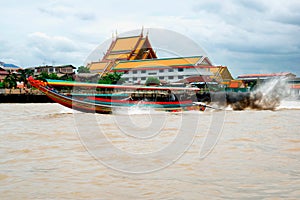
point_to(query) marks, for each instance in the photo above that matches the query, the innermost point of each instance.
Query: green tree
(152, 81)
(83, 69)
(53, 76)
(24, 74)
(10, 80)
(111, 78)
(45, 75)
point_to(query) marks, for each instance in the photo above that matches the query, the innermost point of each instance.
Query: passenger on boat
(171, 96)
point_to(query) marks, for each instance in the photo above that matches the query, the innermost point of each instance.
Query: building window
(170, 77)
(134, 72)
(161, 70)
(143, 71)
(171, 70)
(134, 78)
(161, 78)
(180, 77)
(143, 78)
(152, 73)
(180, 69)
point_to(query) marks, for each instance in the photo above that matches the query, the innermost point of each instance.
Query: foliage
(53, 76)
(69, 78)
(111, 78)
(10, 80)
(24, 74)
(152, 81)
(45, 75)
(1, 84)
(83, 69)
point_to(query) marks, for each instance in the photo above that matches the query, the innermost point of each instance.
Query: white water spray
(268, 95)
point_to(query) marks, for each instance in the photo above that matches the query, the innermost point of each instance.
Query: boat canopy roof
(110, 86)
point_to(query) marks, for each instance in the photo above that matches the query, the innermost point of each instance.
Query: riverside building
(135, 57)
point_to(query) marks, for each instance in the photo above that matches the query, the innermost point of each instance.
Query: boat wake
(137, 109)
(289, 104)
(267, 96)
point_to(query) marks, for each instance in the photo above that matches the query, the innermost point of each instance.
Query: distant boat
(103, 98)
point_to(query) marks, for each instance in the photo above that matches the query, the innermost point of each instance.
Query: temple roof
(165, 62)
(221, 73)
(133, 52)
(129, 48)
(99, 66)
(125, 43)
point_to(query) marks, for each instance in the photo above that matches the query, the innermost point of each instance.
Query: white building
(167, 69)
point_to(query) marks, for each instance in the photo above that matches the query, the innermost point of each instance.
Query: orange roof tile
(236, 84)
(233, 85)
(126, 43)
(97, 65)
(168, 62)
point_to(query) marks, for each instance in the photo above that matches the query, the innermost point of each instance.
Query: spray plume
(266, 96)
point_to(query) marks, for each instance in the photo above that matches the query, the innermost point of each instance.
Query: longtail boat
(103, 98)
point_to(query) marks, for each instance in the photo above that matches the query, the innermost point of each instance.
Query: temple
(124, 48)
(135, 57)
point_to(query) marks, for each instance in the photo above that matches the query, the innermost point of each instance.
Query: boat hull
(94, 104)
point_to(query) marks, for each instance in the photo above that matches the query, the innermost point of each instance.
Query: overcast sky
(248, 36)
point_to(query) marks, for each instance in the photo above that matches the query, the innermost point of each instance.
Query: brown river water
(50, 152)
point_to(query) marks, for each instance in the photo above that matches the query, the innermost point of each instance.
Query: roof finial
(147, 32)
(142, 31)
(116, 33)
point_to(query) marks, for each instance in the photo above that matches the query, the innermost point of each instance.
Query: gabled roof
(133, 52)
(125, 43)
(129, 48)
(221, 72)
(157, 63)
(121, 48)
(97, 66)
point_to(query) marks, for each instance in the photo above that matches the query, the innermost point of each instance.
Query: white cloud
(56, 49)
(236, 33)
(48, 43)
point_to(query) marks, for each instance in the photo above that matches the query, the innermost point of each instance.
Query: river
(50, 152)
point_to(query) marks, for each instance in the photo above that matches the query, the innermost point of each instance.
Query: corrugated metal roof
(265, 75)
